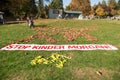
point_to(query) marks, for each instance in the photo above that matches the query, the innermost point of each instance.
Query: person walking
(31, 22)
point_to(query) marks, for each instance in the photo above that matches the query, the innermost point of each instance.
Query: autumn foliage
(80, 5)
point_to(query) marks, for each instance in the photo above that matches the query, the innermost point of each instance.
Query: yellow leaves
(33, 62)
(55, 60)
(39, 61)
(38, 57)
(100, 11)
(59, 65)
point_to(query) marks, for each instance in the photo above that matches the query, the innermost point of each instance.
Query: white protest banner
(59, 47)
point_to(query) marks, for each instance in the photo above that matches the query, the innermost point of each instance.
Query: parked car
(117, 17)
(2, 21)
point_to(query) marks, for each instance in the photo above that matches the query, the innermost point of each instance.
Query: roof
(74, 12)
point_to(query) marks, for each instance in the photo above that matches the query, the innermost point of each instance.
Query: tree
(106, 8)
(118, 5)
(56, 4)
(118, 12)
(75, 5)
(100, 11)
(86, 8)
(92, 12)
(99, 4)
(113, 12)
(104, 3)
(19, 8)
(4, 6)
(67, 8)
(47, 11)
(30, 7)
(40, 9)
(112, 4)
(16, 7)
(80, 5)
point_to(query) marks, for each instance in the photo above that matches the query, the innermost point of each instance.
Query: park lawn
(83, 65)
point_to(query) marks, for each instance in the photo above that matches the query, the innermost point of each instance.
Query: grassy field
(83, 65)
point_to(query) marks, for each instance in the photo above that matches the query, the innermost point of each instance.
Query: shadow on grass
(41, 26)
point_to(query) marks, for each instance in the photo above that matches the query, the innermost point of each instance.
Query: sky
(66, 2)
(93, 2)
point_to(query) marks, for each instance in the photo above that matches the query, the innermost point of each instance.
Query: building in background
(58, 13)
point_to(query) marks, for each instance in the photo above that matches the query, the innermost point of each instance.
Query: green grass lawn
(84, 65)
